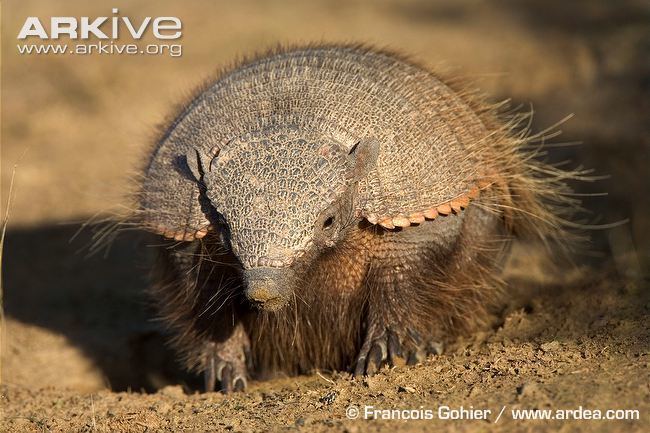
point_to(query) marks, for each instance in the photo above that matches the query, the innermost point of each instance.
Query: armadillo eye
(328, 223)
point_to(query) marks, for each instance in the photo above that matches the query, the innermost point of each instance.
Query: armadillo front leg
(395, 332)
(190, 294)
(226, 362)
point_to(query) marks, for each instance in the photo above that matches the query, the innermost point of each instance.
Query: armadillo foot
(424, 348)
(390, 348)
(225, 364)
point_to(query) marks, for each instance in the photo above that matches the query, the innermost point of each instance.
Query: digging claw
(390, 348)
(240, 383)
(226, 378)
(394, 345)
(435, 348)
(378, 352)
(227, 364)
(210, 372)
(377, 357)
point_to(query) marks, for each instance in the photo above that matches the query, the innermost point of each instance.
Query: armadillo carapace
(333, 207)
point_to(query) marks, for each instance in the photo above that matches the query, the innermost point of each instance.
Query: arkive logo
(83, 28)
(101, 35)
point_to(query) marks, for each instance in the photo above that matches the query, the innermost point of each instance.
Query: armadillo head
(281, 197)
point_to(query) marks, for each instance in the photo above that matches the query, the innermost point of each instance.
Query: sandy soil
(80, 351)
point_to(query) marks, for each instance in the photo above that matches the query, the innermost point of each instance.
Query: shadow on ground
(97, 302)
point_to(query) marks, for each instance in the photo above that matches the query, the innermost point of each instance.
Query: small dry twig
(5, 221)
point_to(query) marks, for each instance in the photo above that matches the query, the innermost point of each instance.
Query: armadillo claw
(227, 366)
(230, 379)
(390, 349)
(384, 350)
(422, 348)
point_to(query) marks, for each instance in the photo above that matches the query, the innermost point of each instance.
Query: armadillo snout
(267, 288)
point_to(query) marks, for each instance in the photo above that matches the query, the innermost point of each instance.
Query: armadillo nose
(263, 289)
(265, 296)
(261, 293)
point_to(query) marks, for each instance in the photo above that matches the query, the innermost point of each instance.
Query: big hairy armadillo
(334, 207)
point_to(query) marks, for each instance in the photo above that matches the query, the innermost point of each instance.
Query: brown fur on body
(431, 287)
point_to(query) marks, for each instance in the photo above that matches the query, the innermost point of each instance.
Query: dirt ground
(80, 348)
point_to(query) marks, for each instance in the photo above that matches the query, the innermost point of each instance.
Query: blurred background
(78, 126)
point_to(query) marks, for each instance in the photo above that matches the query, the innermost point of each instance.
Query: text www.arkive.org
(102, 48)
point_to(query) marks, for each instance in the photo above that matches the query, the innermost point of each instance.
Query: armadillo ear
(170, 197)
(198, 162)
(365, 154)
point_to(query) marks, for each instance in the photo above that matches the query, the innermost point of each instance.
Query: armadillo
(337, 208)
